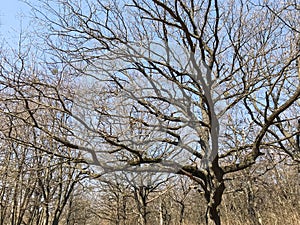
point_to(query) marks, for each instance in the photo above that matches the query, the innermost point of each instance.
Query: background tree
(38, 175)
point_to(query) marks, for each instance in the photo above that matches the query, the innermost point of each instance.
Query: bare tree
(197, 88)
(179, 195)
(38, 174)
(35, 186)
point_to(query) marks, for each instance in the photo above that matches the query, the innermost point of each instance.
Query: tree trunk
(213, 202)
(55, 221)
(181, 218)
(252, 207)
(213, 194)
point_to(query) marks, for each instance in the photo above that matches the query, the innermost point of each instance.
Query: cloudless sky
(12, 12)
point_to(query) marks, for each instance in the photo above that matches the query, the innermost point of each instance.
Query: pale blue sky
(12, 12)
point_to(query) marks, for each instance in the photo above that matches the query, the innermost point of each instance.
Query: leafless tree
(35, 186)
(38, 175)
(197, 88)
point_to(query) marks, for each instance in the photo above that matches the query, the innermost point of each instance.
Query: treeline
(37, 188)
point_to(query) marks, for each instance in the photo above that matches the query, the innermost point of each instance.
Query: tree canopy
(196, 88)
